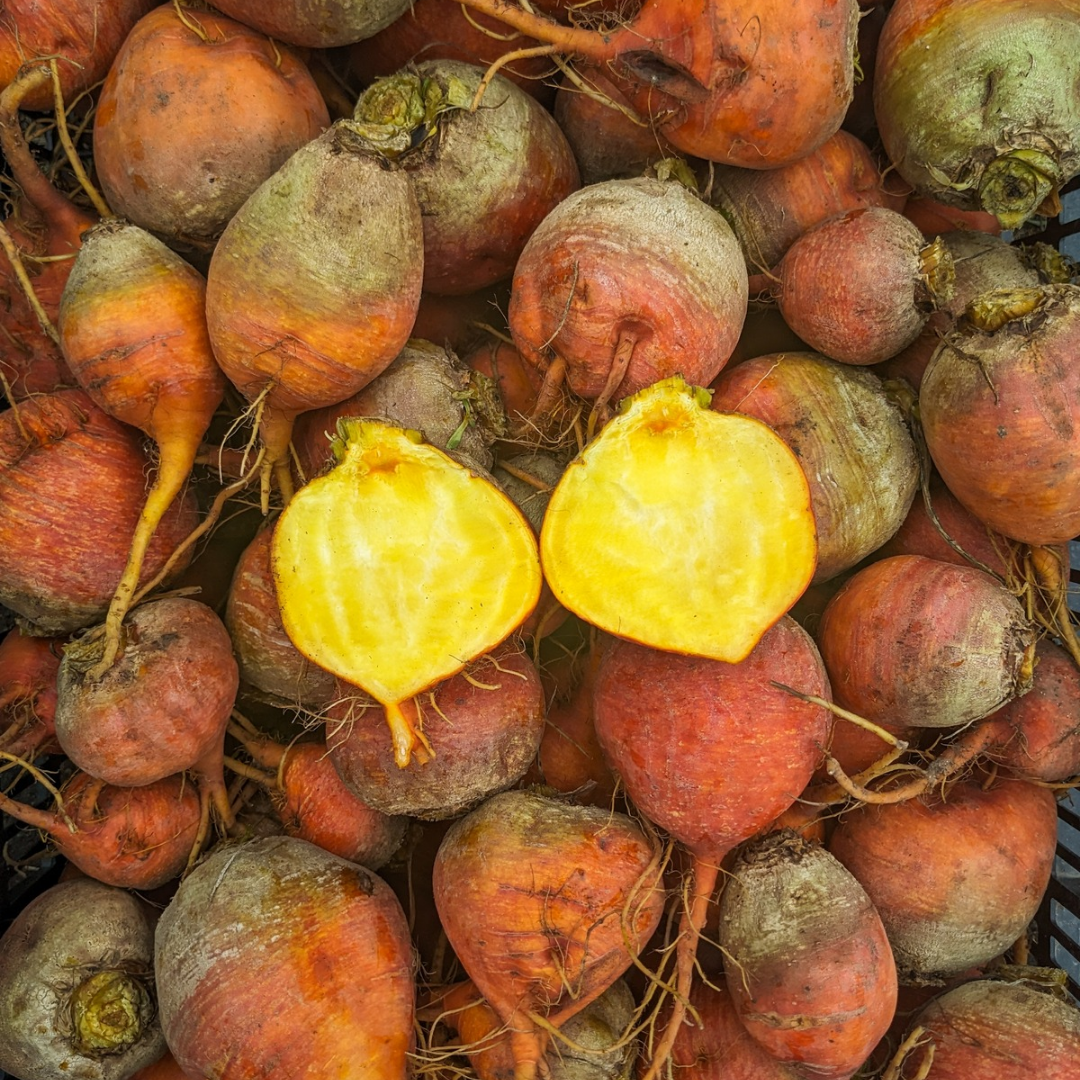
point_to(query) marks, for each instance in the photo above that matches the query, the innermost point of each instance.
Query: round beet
(1040, 736)
(425, 387)
(917, 642)
(860, 286)
(177, 80)
(628, 282)
(279, 958)
(162, 708)
(76, 985)
(993, 1030)
(975, 103)
(770, 209)
(982, 858)
(271, 666)
(1000, 407)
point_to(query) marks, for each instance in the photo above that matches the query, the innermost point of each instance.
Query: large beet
(711, 751)
(276, 957)
(76, 987)
(1000, 406)
(314, 285)
(174, 83)
(975, 101)
(628, 282)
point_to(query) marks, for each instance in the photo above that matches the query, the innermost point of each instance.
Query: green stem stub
(1016, 184)
(110, 1011)
(401, 112)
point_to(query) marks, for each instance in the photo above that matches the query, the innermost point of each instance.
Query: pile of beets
(537, 537)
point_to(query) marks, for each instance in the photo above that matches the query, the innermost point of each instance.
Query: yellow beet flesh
(399, 566)
(681, 528)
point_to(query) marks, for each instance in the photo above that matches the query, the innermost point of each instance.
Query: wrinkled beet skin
(162, 707)
(988, 1030)
(538, 895)
(74, 926)
(135, 838)
(68, 508)
(86, 34)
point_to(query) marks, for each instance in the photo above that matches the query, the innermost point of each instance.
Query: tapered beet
(711, 752)
(314, 285)
(545, 904)
(72, 485)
